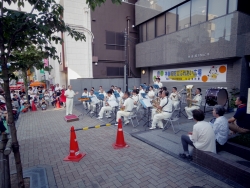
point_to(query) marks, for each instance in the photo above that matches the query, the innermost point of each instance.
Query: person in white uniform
(166, 108)
(92, 104)
(85, 94)
(127, 106)
(196, 103)
(107, 108)
(121, 96)
(141, 90)
(69, 94)
(158, 82)
(135, 97)
(202, 137)
(175, 97)
(151, 93)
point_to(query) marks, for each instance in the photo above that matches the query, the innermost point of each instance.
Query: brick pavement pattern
(44, 139)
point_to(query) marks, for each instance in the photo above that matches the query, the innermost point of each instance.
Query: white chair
(133, 115)
(174, 118)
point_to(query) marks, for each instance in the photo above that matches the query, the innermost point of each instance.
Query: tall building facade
(194, 42)
(108, 24)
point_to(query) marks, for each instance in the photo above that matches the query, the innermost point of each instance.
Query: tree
(19, 29)
(25, 60)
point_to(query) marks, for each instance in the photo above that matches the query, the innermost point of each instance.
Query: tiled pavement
(44, 139)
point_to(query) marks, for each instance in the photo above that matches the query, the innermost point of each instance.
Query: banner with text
(214, 73)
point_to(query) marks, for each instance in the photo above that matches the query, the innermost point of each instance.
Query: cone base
(75, 159)
(116, 146)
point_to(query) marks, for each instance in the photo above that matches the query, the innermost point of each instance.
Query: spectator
(240, 122)
(220, 126)
(202, 137)
(47, 96)
(22, 92)
(43, 104)
(53, 100)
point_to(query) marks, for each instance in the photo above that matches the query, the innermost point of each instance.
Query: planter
(238, 150)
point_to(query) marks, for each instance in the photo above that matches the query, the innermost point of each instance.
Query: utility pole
(126, 60)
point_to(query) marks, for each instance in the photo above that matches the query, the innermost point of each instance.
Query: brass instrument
(176, 94)
(156, 102)
(83, 99)
(189, 94)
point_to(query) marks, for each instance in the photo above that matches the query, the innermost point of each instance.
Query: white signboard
(214, 73)
(248, 102)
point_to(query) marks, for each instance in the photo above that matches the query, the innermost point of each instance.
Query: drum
(216, 96)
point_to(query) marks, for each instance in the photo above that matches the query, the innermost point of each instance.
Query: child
(43, 104)
(53, 100)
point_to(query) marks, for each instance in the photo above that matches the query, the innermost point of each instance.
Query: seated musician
(126, 108)
(166, 111)
(175, 97)
(240, 122)
(141, 90)
(196, 102)
(158, 82)
(92, 104)
(119, 91)
(220, 126)
(135, 97)
(85, 94)
(158, 101)
(100, 88)
(151, 93)
(107, 108)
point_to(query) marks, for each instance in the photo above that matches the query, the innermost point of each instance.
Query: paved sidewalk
(44, 139)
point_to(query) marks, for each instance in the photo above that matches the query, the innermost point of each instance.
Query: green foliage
(27, 58)
(94, 3)
(235, 92)
(243, 140)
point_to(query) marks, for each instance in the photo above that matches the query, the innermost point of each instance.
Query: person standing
(62, 96)
(69, 94)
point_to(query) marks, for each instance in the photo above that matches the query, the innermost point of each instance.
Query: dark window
(160, 25)
(198, 11)
(232, 6)
(115, 71)
(144, 32)
(151, 29)
(114, 40)
(171, 21)
(184, 16)
(216, 8)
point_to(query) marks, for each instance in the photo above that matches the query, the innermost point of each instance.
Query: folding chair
(174, 118)
(133, 115)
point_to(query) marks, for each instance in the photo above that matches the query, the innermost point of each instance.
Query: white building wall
(78, 54)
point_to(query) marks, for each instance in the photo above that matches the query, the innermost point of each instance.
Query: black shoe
(187, 157)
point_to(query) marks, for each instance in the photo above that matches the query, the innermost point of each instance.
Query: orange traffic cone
(74, 154)
(58, 104)
(120, 143)
(33, 106)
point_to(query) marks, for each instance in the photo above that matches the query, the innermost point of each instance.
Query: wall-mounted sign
(214, 73)
(198, 55)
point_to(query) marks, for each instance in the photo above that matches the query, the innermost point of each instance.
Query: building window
(160, 25)
(115, 71)
(114, 40)
(198, 11)
(151, 29)
(216, 8)
(232, 6)
(144, 32)
(171, 21)
(184, 16)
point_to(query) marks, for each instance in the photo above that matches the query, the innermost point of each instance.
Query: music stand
(144, 95)
(101, 98)
(155, 86)
(147, 105)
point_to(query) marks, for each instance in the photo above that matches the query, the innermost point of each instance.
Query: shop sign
(214, 73)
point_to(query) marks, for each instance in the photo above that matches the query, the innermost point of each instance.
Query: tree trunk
(11, 123)
(26, 84)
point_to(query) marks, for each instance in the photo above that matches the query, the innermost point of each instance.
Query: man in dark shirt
(240, 122)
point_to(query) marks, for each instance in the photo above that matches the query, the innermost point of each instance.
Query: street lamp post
(126, 59)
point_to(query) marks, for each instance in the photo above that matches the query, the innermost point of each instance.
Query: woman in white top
(202, 137)
(151, 93)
